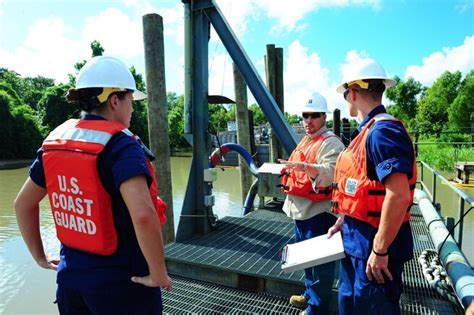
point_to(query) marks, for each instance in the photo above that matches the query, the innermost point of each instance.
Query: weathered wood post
(157, 113)
(274, 78)
(243, 131)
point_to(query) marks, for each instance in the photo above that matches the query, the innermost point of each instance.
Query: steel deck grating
(418, 296)
(197, 297)
(250, 246)
(259, 238)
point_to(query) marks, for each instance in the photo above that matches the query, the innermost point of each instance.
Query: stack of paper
(309, 253)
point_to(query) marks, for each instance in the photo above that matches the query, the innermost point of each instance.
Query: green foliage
(139, 121)
(258, 115)
(34, 89)
(10, 91)
(404, 95)
(218, 118)
(432, 116)
(54, 109)
(20, 131)
(97, 49)
(176, 121)
(461, 111)
(444, 157)
(292, 118)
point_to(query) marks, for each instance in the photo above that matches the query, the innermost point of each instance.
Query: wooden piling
(157, 113)
(243, 131)
(274, 78)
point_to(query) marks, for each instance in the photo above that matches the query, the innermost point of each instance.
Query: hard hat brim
(138, 95)
(308, 109)
(388, 83)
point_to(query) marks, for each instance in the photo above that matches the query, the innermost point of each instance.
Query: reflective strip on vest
(78, 134)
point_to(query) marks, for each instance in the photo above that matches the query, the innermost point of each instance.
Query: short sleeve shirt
(122, 159)
(389, 150)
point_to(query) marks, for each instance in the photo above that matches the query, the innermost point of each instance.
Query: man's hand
(376, 267)
(163, 281)
(308, 168)
(338, 226)
(48, 263)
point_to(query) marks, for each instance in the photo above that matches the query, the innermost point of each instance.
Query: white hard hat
(365, 70)
(107, 72)
(316, 104)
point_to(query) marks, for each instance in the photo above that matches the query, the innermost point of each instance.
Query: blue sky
(320, 38)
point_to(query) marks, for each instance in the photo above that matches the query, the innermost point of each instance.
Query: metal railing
(464, 198)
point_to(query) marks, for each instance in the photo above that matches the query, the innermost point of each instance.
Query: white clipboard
(312, 252)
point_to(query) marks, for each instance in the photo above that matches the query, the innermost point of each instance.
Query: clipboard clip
(283, 253)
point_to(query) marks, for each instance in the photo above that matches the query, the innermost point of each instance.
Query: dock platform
(235, 269)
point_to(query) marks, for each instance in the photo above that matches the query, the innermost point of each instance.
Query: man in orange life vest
(375, 179)
(103, 195)
(307, 182)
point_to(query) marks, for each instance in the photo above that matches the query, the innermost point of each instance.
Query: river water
(26, 288)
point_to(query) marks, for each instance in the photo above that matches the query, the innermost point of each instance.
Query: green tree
(404, 95)
(432, 115)
(54, 109)
(19, 128)
(258, 115)
(97, 49)
(176, 121)
(292, 118)
(461, 111)
(139, 121)
(34, 89)
(218, 118)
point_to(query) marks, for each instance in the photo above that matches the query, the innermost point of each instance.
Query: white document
(272, 168)
(313, 252)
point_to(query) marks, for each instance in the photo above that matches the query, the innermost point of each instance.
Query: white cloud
(46, 51)
(460, 58)
(303, 75)
(289, 16)
(119, 34)
(464, 6)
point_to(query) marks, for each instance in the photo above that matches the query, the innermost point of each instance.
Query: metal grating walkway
(419, 297)
(260, 236)
(197, 297)
(243, 253)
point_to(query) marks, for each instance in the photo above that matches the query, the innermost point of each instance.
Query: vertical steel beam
(196, 217)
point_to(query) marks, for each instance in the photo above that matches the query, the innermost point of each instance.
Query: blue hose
(216, 157)
(250, 198)
(218, 153)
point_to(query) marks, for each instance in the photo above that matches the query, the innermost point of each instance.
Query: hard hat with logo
(108, 73)
(364, 70)
(316, 104)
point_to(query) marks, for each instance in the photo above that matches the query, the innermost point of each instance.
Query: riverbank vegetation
(30, 107)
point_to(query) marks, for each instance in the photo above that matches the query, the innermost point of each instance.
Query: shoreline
(14, 164)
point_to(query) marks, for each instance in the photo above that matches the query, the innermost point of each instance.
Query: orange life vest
(354, 193)
(81, 206)
(298, 183)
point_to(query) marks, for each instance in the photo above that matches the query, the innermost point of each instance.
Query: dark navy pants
(319, 279)
(130, 299)
(358, 295)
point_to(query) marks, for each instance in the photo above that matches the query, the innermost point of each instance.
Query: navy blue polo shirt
(389, 150)
(122, 159)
